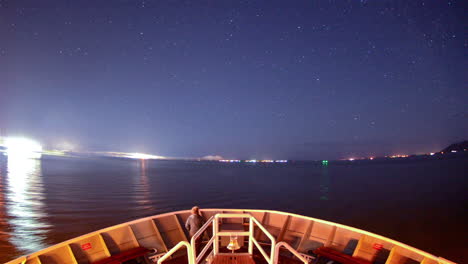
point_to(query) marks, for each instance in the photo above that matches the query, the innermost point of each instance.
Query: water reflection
(24, 195)
(324, 183)
(5, 230)
(142, 187)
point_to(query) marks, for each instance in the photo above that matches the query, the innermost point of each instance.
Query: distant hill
(457, 147)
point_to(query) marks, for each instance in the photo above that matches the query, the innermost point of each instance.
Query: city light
(23, 147)
(254, 161)
(399, 156)
(141, 156)
(128, 155)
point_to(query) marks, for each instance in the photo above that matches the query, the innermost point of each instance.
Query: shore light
(23, 147)
(141, 156)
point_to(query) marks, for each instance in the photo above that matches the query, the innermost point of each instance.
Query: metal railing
(260, 248)
(207, 246)
(195, 257)
(291, 249)
(214, 240)
(177, 247)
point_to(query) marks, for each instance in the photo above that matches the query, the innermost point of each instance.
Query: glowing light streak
(23, 147)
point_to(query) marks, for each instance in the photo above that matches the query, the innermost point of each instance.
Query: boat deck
(277, 237)
(256, 259)
(240, 259)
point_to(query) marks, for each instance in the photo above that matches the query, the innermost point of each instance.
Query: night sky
(240, 79)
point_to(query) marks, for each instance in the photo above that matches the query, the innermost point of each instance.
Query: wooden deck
(240, 259)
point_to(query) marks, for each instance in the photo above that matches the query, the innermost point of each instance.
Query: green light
(324, 162)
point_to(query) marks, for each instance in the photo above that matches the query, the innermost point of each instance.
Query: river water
(418, 202)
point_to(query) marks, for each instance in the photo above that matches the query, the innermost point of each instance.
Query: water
(418, 202)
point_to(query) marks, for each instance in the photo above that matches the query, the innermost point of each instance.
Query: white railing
(207, 246)
(177, 247)
(217, 234)
(292, 250)
(269, 259)
(195, 257)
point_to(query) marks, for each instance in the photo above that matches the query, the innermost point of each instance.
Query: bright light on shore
(141, 156)
(23, 147)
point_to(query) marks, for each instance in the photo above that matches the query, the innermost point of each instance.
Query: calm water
(421, 203)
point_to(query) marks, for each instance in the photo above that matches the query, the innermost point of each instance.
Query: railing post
(190, 256)
(197, 236)
(276, 258)
(191, 252)
(273, 250)
(251, 234)
(291, 249)
(215, 233)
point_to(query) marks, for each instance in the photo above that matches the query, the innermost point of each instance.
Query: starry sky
(273, 79)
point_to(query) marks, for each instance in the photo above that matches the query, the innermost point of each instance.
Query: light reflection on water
(324, 183)
(141, 187)
(24, 203)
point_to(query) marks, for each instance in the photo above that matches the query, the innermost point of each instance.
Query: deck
(239, 259)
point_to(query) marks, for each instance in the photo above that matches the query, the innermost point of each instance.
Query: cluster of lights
(254, 161)
(399, 156)
(23, 147)
(452, 151)
(372, 158)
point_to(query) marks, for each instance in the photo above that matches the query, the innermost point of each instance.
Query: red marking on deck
(86, 246)
(377, 246)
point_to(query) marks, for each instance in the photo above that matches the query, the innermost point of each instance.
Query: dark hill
(457, 146)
